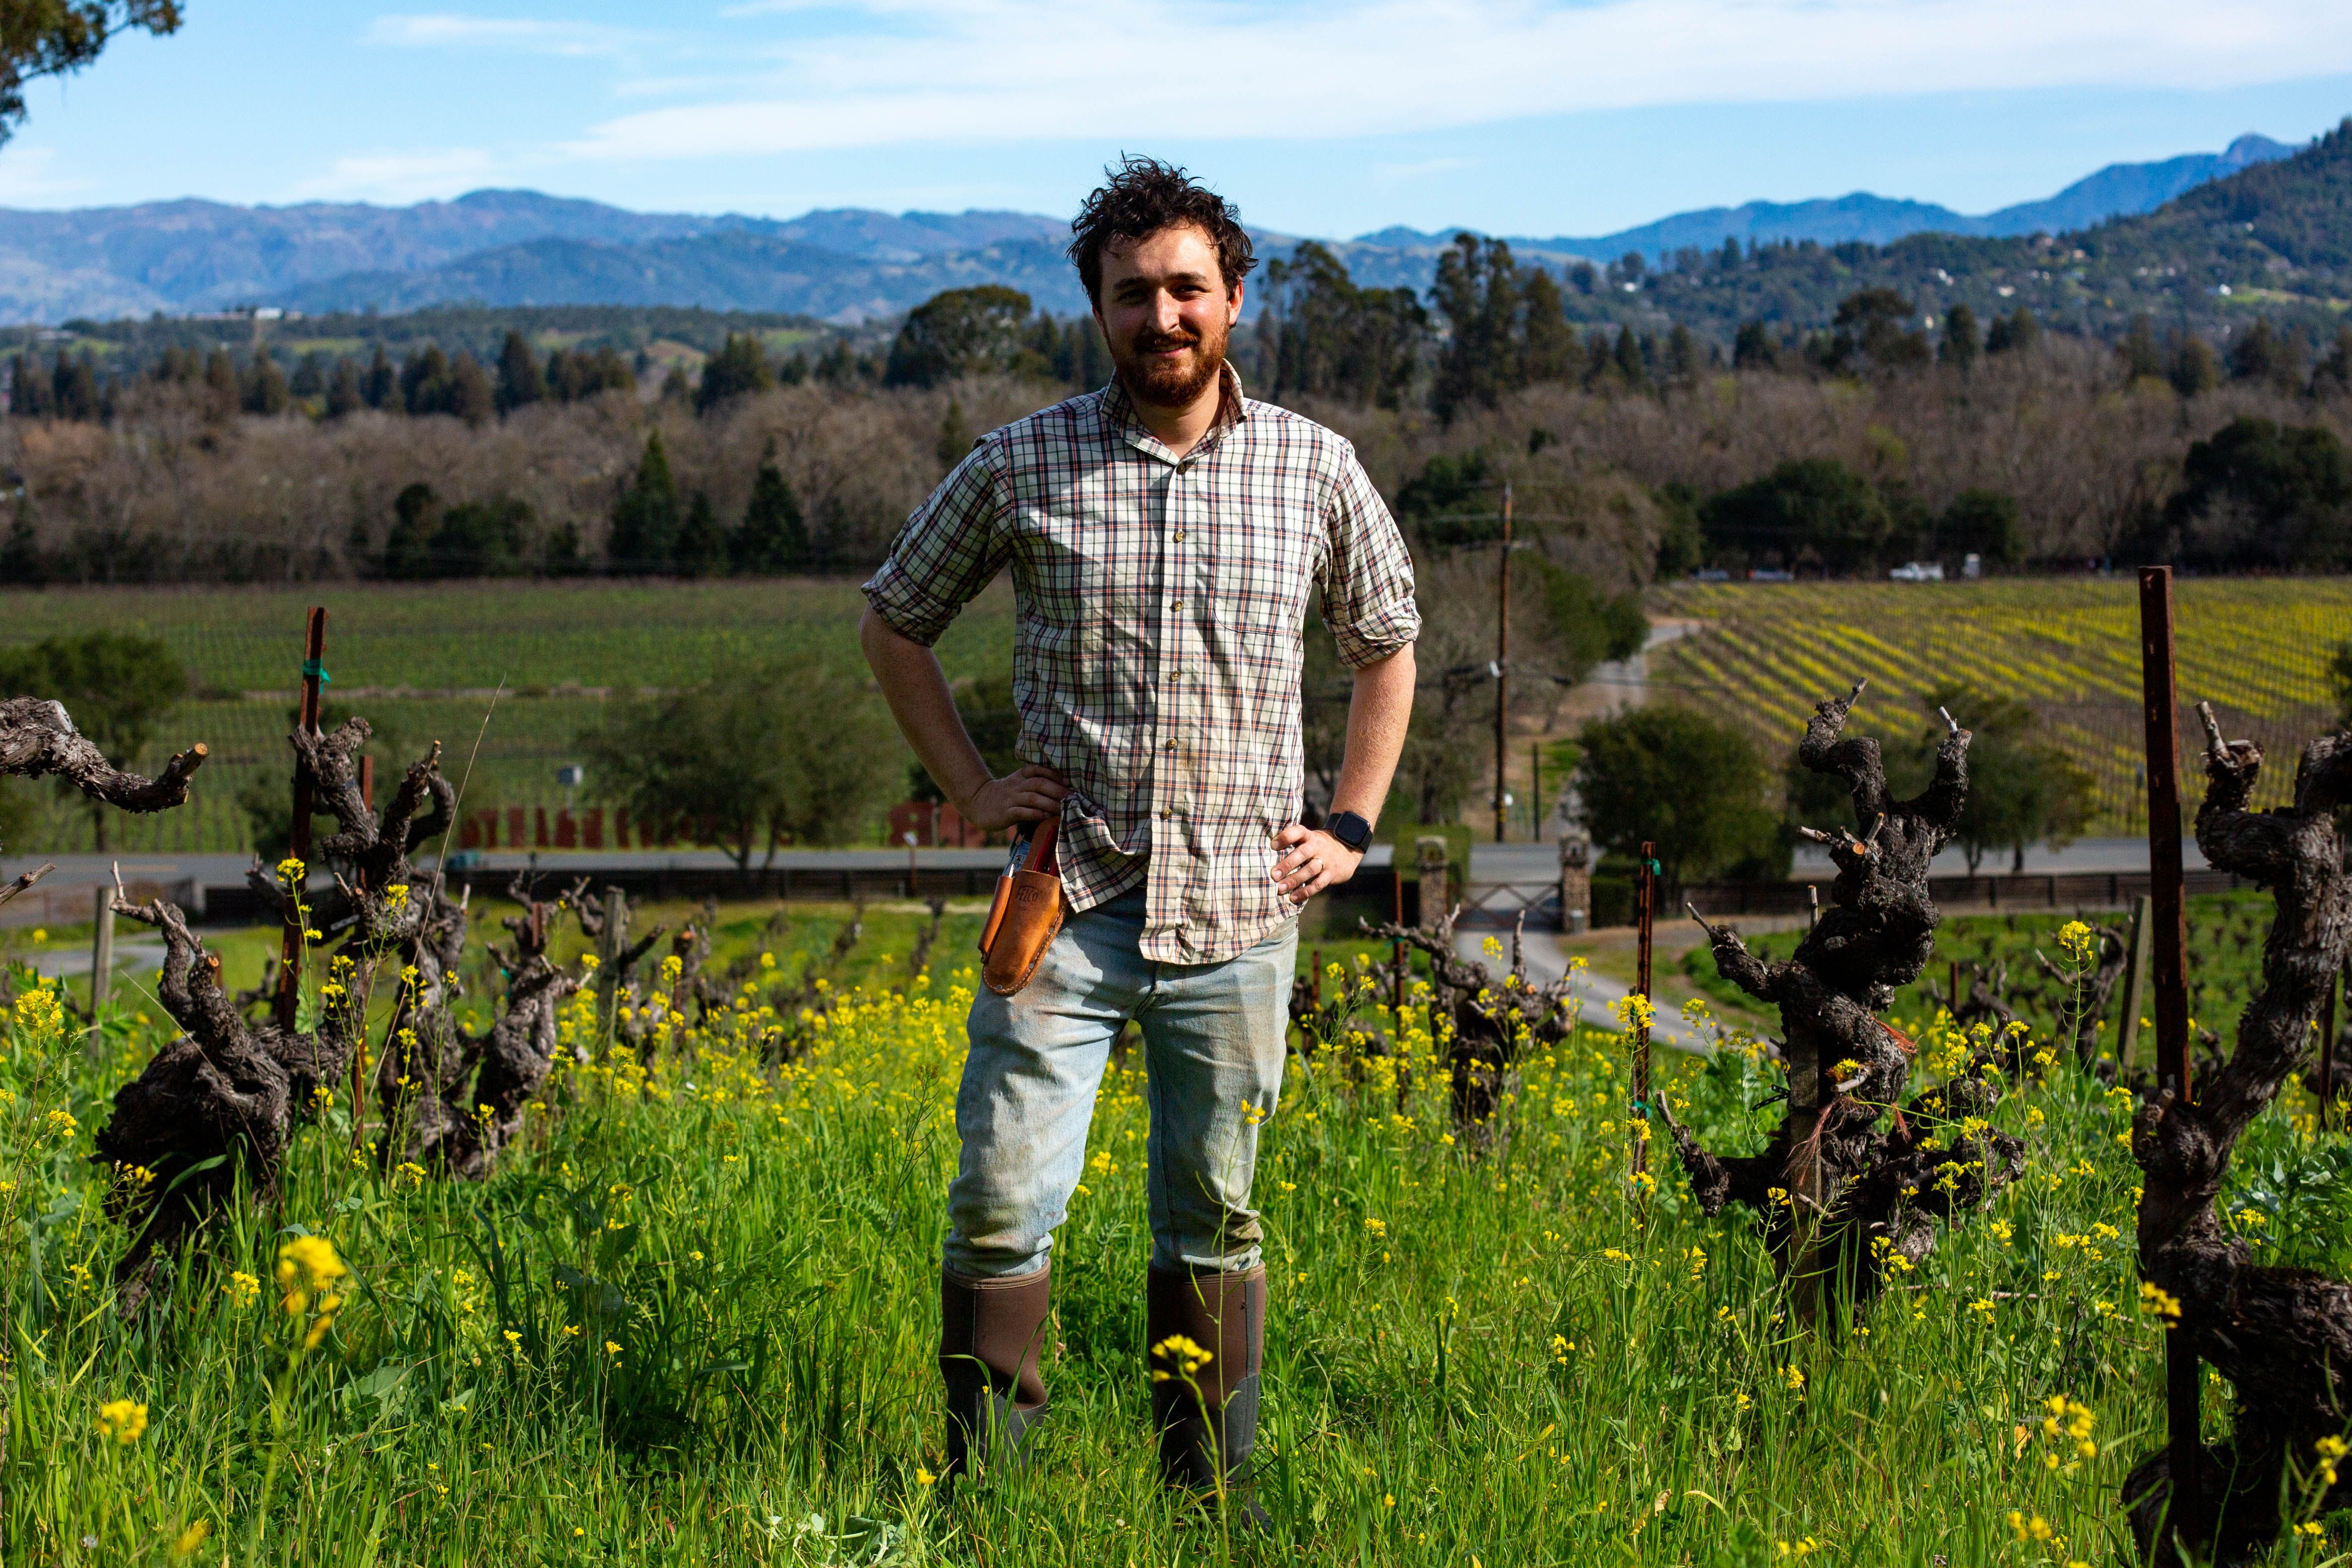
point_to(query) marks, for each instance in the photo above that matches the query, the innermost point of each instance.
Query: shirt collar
(1121, 419)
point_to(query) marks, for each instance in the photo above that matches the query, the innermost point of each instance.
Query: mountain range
(846, 264)
(2114, 191)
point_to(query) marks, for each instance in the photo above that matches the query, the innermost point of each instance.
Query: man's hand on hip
(1030, 792)
(1312, 861)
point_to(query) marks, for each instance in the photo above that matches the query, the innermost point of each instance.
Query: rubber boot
(1206, 1412)
(991, 1334)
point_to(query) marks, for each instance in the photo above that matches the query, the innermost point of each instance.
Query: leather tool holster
(1027, 915)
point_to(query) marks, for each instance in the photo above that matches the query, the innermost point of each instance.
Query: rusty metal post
(2169, 928)
(289, 951)
(1645, 900)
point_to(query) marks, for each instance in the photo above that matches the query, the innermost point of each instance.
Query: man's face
(1165, 314)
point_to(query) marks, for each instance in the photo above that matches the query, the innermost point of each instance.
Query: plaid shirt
(1156, 657)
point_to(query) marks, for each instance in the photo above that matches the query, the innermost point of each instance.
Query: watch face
(1350, 829)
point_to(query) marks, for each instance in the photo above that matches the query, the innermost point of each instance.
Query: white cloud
(571, 39)
(30, 174)
(1421, 169)
(1003, 70)
(400, 176)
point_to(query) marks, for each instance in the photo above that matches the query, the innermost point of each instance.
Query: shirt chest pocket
(1256, 561)
(1087, 557)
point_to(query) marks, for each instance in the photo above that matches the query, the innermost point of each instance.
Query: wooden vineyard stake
(359, 1047)
(1645, 900)
(2168, 987)
(102, 963)
(2135, 981)
(289, 953)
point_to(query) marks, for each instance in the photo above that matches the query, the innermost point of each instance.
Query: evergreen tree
(407, 547)
(675, 388)
(1684, 359)
(771, 541)
(1548, 348)
(645, 518)
(75, 381)
(2258, 355)
(1320, 333)
(309, 378)
(1960, 342)
(1755, 347)
(519, 378)
(264, 386)
(2334, 373)
(2138, 352)
(701, 548)
(737, 370)
(955, 436)
(2193, 367)
(344, 394)
(471, 396)
(1628, 355)
(28, 389)
(425, 380)
(1478, 290)
(21, 564)
(222, 381)
(378, 385)
(1727, 259)
(2013, 334)
(958, 332)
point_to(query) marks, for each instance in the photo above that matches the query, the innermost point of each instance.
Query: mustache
(1153, 342)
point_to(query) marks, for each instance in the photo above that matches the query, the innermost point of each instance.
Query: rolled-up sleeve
(950, 549)
(1367, 572)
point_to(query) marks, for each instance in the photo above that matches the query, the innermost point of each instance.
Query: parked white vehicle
(1919, 572)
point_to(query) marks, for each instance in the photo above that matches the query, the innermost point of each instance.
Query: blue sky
(1326, 116)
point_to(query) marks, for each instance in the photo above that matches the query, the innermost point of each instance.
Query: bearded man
(1165, 535)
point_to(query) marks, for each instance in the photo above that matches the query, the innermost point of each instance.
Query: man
(1165, 535)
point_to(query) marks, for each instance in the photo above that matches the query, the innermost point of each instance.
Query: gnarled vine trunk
(1839, 1191)
(1484, 1022)
(222, 1100)
(2283, 1337)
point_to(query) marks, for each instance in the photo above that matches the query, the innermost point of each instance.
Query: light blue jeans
(1213, 1043)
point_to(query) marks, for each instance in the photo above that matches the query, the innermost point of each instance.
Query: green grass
(1493, 1360)
(422, 661)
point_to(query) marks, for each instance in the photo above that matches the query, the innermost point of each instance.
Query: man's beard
(1171, 383)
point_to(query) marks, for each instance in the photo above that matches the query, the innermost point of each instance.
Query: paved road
(1540, 862)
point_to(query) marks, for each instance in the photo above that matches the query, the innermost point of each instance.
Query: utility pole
(1503, 672)
(2168, 976)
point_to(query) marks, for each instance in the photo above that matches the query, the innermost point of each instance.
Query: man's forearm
(916, 691)
(1378, 711)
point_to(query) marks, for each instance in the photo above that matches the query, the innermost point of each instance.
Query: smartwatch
(1350, 829)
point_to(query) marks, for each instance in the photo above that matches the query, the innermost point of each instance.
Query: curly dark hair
(1142, 197)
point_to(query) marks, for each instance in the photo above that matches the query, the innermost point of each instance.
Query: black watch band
(1350, 829)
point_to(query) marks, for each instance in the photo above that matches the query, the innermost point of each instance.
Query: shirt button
(1171, 745)
(1175, 603)
(1180, 535)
